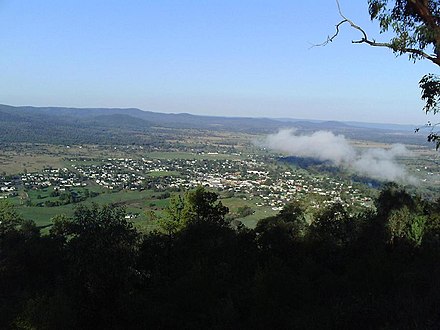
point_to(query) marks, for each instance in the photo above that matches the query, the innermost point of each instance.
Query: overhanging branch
(365, 40)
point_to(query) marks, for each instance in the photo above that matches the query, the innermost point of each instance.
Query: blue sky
(214, 57)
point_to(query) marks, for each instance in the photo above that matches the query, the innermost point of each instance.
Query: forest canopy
(334, 270)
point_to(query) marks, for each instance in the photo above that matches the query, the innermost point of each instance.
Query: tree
(202, 205)
(196, 206)
(293, 213)
(392, 197)
(333, 225)
(9, 218)
(415, 25)
(405, 225)
(100, 248)
(173, 222)
(278, 233)
(244, 211)
(30, 263)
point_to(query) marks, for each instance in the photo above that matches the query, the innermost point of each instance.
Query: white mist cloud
(374, 162)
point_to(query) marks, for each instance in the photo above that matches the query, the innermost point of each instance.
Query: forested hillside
(56, 125)
(377, 270)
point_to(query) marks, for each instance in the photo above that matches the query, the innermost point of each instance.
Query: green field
(139, 203)
(155, 174)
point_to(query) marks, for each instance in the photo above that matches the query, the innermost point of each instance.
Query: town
(259, 180)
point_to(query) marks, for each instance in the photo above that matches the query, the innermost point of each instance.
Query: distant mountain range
(125, 126)
(385, 126)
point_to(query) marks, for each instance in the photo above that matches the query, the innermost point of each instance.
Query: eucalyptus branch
(364, 39)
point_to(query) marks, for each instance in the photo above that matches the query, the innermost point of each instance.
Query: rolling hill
(135, 126)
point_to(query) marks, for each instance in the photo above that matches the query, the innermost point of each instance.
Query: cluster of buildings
(113, 174)
(268, 184)
(256, 179)
(59, 178)
(7, 188)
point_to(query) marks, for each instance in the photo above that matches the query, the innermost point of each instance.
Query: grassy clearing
(260, 213)
(14, 164)
(135, 202)
(42, 215)
(250, 221)
(118, 197)
(155, 174)
(140, 203)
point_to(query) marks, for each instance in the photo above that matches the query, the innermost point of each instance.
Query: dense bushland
(94, 270)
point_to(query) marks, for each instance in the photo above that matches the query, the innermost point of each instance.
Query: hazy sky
(216, 57)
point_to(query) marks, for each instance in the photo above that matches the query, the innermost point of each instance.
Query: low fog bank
(377, 163)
